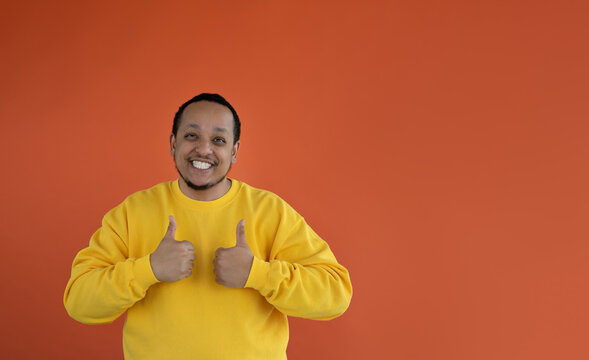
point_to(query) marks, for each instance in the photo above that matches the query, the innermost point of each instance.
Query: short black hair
(216, 98)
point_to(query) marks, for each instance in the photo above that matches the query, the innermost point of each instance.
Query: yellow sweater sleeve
(105, 281)
(302, 277)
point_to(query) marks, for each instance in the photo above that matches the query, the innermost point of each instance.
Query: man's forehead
(207, 114)
(208, 107)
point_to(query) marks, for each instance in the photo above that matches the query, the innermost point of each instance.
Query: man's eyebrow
(217, 129)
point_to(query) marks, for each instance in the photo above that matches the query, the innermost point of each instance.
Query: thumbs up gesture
(172, 260)
(232, 265)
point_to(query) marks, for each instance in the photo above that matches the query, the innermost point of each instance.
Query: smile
(201, 165)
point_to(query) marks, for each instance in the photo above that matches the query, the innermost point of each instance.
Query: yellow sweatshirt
(293, 273)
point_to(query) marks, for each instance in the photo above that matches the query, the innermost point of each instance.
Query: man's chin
(201, 187)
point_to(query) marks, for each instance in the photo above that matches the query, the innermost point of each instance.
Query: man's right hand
(172, 260)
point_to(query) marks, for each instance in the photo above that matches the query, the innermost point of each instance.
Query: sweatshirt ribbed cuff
(143, 272)
(258, 274)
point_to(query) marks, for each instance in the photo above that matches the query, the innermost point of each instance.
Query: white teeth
(201, 165)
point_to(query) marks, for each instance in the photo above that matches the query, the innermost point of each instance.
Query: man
(206, 267)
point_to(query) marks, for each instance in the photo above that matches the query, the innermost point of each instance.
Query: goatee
(205, 186)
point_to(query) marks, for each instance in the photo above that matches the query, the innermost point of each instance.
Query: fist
(233, 265)
(172, 260)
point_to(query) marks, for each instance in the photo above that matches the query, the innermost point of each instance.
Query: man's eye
(220, 140)
(190, 136)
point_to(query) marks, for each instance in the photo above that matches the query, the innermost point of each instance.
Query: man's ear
(172, 144)
(234, 152)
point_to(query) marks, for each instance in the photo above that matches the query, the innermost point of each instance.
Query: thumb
(240, 234)
(171, 232)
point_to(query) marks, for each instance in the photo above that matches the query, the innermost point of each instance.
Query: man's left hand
(233, 265)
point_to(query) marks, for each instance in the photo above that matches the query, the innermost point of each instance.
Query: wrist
(258, 275)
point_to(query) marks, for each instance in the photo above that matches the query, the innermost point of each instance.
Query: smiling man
(205, 267)
(204, 146)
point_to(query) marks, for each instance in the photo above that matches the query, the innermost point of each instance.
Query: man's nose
(203, 147)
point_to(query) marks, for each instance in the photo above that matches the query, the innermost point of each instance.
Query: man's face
(203, 149)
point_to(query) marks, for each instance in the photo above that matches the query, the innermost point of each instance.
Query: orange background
(440, 147)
